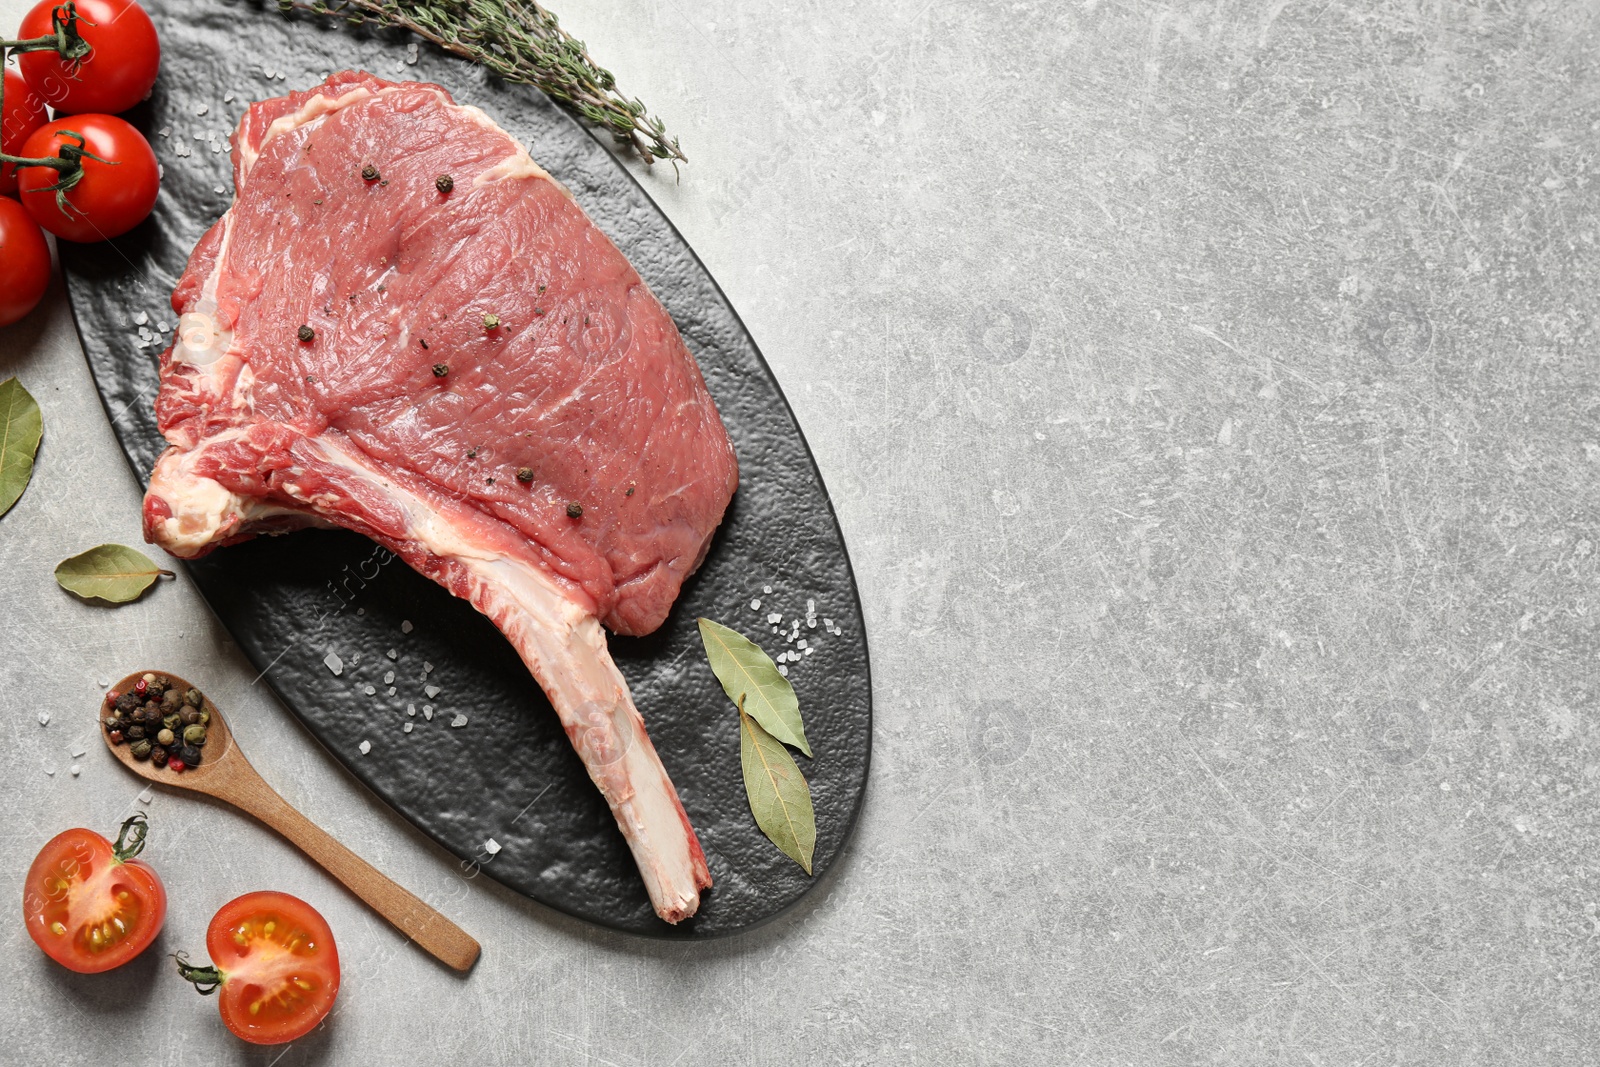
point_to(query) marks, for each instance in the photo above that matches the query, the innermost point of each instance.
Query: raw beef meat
(470, 373)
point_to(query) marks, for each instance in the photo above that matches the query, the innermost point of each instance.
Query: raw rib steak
(404, 327)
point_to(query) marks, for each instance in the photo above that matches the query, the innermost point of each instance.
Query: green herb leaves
(752, 680)
(20, 429)
(779, 797)
(113, 573)
(769, 717)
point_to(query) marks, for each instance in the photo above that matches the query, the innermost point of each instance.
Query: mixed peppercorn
(159, 722)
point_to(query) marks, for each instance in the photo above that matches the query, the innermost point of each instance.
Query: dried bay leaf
(753, 681)
(779, 797)
(21, 426)
(113, 573)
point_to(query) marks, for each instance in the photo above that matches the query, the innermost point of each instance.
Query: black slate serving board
(509, 773)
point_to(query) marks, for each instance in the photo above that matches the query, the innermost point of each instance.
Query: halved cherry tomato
(24, 262)
(273, 957)
(124, 56)
(24, 112)
(89, 904)
(115, 192)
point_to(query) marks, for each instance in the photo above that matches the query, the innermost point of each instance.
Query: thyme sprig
(521, 42)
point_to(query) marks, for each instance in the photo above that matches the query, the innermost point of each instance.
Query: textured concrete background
(1208, 391)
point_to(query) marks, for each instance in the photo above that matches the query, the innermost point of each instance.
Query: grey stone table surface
(1208, 395)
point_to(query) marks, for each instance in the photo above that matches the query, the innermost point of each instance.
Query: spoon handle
(437, 935)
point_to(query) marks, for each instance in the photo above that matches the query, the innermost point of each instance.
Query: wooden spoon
(224, 773)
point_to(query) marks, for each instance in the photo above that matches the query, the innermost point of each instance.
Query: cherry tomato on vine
(24, 263)
(89, 904)
(273, 958)
(124, 55)
(24, 112)
(117, 186)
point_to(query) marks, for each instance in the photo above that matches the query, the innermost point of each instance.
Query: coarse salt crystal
(104, 682)
(459, 720)
(162, 326)
(146, 797)
(227, 98)
(406, 627)
(393, 653)
(393, 690)
(492, 847)
(426, 667)
(365, 747)
(51, 771)
(755, 604)
(408, 726)
(783, 669)
(388, 677)
(76, 770)
(334, 663)
(430, 691)
(371, 691)
(44, 718)
(355, 657)
(140, 318)
(166, 131)
(427, 712)
(220, 190)
(766, 589)
(202, 109)
(78, 751)
(800, 643)
(411, 709)
(809, 651)
(360, 612)
(774, 618)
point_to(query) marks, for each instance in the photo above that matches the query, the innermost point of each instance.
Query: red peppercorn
(111, 697)
(141, 686)
(116, 737)
(175, 764)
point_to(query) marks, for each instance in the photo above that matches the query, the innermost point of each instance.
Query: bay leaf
(779, 797)
(753, 681)
(113, 573)
(21, 426)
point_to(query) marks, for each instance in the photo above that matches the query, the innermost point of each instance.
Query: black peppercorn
(189, 716)
(444, 183)
(369, 173)
(306, 333)
(135, 733)
(189, 754)
(171, 700)
(524, 475)
(128, 701)
(441, 369)
(574, 510)
(158, 755)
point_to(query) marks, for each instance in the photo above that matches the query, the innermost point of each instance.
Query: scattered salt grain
(162, 326)
(371, 691)
(140, 318)
(104, 682)
(76, 770)
(146, 797)
(411, 709)
(166, 131)
(51, 771)
(355, 657)
(44, 718)
(202, 109)
(774, 618)
(161, 171)
(365, 747)
(393, 690)
(459, 720)
(766, 589)
(393, 653)
(809, 651)
(427, 668)
(227, 98)
(800, 643)
(407, 727)
(492, 847)
(334, 663)
(360, 612)
(783, 669)
(430, 691)
(405, 627)
(78, 751)
(220, 190)
(755, 604)
(388, 677)
(427, 712)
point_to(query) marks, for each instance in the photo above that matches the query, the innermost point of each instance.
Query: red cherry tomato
(89, 904)
(124, 55)
(24, 112)
(111, 198)
(273, 957)
(24, 263)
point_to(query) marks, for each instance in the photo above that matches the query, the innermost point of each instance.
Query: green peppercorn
(141, 750)
(158, 755)
(491, 321)
(193, 698)
(189, 754)
(112, 722)
(189, 716)
(136, 732)
(171, 722)
(194, 735)
(166, 737)
(205, 717)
